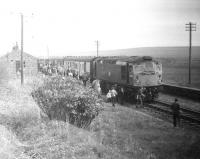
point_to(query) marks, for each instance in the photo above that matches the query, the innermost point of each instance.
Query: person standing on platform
(176, 112)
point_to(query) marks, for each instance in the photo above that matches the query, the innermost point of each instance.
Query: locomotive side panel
(111, 72)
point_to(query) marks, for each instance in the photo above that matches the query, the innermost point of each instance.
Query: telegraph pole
(48, 54)
(22, 63)
(190, 27)
(97, 42)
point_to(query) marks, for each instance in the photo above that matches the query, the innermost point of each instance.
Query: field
(179, 75)
(175, 71)
(120, 133)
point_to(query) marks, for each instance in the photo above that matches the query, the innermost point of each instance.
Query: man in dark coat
(140, 97)
(176, 112)
(121, 93)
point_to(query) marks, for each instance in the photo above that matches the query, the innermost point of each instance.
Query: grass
(118, 133)
(34, 135)
(136, 135)
(3, 72)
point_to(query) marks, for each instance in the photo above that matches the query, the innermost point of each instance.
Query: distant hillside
(160, 52)
(169, 56)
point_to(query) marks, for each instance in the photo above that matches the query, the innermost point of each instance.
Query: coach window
(84, 66)
(149, 66)
(18, 66)
(139, 68)
(95, 68)
(130, 74)
(158, 67)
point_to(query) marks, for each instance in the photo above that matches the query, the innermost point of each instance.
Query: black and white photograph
(100, 79)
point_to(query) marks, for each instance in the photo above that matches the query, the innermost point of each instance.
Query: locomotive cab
(147, 73)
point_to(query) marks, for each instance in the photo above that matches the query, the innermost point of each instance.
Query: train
(130, 72)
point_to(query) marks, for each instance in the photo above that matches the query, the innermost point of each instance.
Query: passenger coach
(79, 65)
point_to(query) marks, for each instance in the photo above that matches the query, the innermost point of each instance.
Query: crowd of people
(49, 69)
(141, 95)
(116, 94)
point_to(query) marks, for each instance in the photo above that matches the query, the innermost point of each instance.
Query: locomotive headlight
(137, 80)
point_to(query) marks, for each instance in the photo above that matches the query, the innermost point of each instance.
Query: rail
(186, 114)
(187, 92)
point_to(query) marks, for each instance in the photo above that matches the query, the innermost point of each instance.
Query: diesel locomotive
(131, 73)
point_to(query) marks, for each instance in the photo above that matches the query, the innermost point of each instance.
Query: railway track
(185, 113)
(186, 92)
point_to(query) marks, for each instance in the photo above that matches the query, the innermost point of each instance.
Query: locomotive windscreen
(144, 67)
(149, 66)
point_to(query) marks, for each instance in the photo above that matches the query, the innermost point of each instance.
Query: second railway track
(185, 113)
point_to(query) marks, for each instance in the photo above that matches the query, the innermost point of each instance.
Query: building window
(18, 66)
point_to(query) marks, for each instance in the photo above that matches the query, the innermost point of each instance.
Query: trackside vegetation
(26, 131)
(67, 99)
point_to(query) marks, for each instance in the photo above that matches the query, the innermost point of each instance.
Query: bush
(68, 100)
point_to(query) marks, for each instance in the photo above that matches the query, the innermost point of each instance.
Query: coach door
(84, 67)
(130, 73)
(127, 73)
(94, 68)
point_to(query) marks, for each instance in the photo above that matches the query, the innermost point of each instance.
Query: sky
(71, 27)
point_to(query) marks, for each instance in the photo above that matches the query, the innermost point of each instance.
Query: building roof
(16, 50)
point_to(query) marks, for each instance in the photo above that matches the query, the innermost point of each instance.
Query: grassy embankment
(118, 132)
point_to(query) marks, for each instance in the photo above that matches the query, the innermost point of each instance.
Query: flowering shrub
(67, 99)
